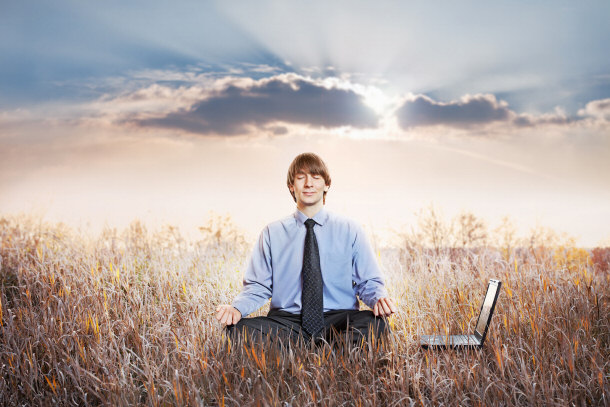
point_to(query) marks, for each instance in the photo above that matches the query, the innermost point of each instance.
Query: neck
(310, 211)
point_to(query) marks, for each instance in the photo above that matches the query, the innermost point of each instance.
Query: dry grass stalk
(127, 319)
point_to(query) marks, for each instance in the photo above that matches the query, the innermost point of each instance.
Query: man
(314, 265)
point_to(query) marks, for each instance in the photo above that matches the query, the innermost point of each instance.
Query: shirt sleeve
(367, 274)
(257, 283)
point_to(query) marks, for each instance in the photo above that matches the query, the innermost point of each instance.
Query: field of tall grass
(127, 318)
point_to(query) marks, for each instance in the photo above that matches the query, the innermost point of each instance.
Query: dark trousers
(341, 326)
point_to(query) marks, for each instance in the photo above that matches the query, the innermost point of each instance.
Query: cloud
(470, 111)
(599, 109)
(235, 106)
(529, 120)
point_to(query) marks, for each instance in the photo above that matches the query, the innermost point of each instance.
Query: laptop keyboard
(453, 340)
(465, 340)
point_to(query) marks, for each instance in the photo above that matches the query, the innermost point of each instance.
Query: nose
(308, 180)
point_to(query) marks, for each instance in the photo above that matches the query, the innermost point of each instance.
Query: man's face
(308, 189)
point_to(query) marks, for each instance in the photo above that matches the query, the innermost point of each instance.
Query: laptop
(480, 331)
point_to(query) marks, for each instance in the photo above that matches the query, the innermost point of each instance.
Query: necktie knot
(310, 223)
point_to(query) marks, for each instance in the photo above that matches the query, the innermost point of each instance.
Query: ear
(326, 187)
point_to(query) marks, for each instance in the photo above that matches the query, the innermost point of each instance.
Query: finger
(379, 309)
(229, 320)
(391, 304)
(225, 317)
(219, 314)
(225, 313)
(223, 310)
(385, 310)
(376, 309)
(386, 307)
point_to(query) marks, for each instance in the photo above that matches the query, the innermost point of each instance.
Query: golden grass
(128, 319)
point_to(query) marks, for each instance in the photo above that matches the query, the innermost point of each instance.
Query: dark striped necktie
(311, 297)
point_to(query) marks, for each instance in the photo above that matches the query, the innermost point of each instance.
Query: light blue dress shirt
(348, 264)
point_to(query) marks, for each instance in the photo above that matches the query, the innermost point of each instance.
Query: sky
(115, 111)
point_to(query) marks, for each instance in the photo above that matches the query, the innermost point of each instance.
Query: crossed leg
(349, 326)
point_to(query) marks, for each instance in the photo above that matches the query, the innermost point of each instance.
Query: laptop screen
(486, 310)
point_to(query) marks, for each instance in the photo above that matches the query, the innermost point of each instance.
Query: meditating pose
(315, 266)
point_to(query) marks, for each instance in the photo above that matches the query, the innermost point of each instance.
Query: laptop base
(450, 342)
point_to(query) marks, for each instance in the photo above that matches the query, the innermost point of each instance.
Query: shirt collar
(320, 218)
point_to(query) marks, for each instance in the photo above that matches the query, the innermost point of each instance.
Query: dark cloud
(470, 111)
(232, 109)
(524, 120)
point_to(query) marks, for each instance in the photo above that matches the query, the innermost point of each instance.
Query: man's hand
(384, 307)
(227, 314)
